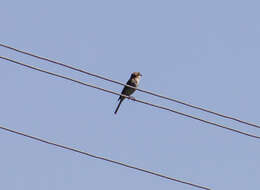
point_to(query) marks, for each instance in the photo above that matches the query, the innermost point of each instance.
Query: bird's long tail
(121, 100)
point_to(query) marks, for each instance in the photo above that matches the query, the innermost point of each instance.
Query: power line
(145, 91)
(147, 103)
(102, 158)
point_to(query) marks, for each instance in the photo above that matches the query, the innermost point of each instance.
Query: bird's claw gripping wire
(131, 98)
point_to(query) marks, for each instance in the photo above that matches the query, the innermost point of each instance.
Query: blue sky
(201, 52)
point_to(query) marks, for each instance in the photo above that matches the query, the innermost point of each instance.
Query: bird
(133, 81)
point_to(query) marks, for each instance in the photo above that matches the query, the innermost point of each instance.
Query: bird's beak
(141, 75)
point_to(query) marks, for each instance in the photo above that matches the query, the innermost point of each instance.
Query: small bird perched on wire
(133, 81)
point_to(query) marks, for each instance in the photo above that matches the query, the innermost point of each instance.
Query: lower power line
(102, 158)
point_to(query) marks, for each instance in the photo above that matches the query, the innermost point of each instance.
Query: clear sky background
(201, 52)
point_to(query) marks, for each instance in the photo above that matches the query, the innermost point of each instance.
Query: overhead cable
(145, 91)
(102, 158)
(147, 103)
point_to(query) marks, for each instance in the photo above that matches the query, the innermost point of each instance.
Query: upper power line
(145, 91)
(102, 158)
(147, 103)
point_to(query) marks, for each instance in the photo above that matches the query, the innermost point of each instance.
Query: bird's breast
(137, 79)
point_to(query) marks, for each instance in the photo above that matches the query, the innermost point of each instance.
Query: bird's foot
(131, 98)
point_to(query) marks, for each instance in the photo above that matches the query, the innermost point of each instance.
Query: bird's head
(136, 74)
